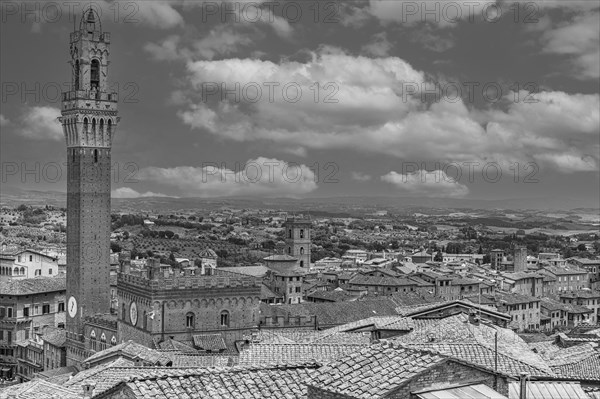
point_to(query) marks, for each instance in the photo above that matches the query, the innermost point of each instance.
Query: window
(225, 318)
(95, 153)
(297, 289)
(36, 310)
(31, 259)
(22, 271)
(9, 312)
(95, 74)
(301, 233)
(77, 75)
(45, 309)
(290, 233)
(301, 263)
(61, 306)
(19, 258)
(189, 320)
(301, 250)
(289, 250)
(25, 312)
(49, 271)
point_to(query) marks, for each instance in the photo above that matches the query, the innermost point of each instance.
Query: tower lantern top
(90, 21)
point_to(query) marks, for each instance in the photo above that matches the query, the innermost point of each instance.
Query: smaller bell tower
(297, 239)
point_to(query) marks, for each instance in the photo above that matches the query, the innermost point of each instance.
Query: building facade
(27, 264)
(156, 306)
(26, 307)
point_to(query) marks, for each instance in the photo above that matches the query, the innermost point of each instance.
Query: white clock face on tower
(133, 313)
(72, 306)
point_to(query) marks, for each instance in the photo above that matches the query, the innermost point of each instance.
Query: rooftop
(36, 285)
(227, 384)
(374, 371)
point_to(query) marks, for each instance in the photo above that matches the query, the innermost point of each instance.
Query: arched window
(301, 250)
(77, 75)
(189, 320)
(224, 318)
(122, 311)
(301, 233)
(101, 125)
(109, 128)
(290, 234)
(95, 156)
(113, 340)
(85, 125)
(22, 271)
(95, 74)
(16, 271)
(93, 125)
(145, 320)
(93, 335)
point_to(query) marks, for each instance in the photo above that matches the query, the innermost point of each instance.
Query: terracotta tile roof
(329, 336)
(230, 384)
(458, 329)
(130, 350)
(294, 354)
(399, 323)
(108, 376)
(55, 336)
(36, 285)
(383, 281)
(334, 313)
(209, 342)
(172, 345)
(41, 389)
(183, 360)
(582, 369)
(483, 356)
(373, 371)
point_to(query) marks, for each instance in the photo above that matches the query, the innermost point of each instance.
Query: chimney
(88, 389)
(523, 382)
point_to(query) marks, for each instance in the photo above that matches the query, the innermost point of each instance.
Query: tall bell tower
(89, 119)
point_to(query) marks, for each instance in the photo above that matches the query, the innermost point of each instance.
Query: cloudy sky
(476, 100)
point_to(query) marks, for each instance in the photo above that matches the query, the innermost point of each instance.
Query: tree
(438, 257)
(581, 247)
(169, 234)
(115, 247)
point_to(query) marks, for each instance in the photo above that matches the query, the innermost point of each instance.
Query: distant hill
(340, 206)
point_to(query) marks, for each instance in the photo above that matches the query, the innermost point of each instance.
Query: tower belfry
(89, 119)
